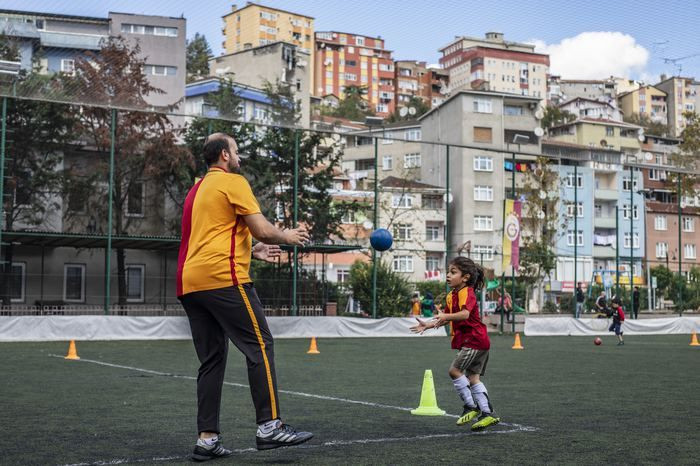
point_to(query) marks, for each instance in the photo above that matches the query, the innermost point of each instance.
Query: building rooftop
(503, 95)
(249, 4)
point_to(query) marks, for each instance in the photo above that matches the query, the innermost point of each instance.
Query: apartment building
(416, 79)
(501, 124)
(590, 108)
(647, 101)
(494, 64)
(343, 59)
(683, 95)
(55, 41)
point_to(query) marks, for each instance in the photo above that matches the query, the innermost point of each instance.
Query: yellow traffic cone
(694, 340)
(428, 402)
(313, 349)
(517, 344)
(72, 352)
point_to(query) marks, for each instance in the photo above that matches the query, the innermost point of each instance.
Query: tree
(687, 157)
(37, 135)
(9, 48)
(198, 53)
(354, 106)
(554, 116)
(393, 290)
(416, 103)
(539, 225)
(146, 151)
(651, 127)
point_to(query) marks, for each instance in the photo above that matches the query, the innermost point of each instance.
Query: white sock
(481, 396)
(266, 428)
(207, 442)
(462, 386)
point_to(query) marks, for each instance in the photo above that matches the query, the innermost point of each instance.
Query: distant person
(427, 305)
(601, 305)
(219, 220)
(580, 299)
(505, 303)
(635, 306)
(415, 304)
(618, 316)
(470, 338)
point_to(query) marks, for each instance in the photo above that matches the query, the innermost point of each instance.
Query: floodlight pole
(375, 221)
(575, 239)
(631, 239)
(108, 250)
(447, 215)
(295, 203)
(3, 139)
(680, 258)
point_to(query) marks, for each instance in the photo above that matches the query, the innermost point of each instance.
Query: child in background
(618, 316)
(470, 337)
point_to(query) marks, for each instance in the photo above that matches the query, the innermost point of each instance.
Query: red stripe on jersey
(186, 231)
(232, 257)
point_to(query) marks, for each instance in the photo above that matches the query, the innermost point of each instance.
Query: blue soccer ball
(381, 239)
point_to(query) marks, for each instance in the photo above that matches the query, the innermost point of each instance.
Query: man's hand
(297, 236)
(266, 252)
(421, 327)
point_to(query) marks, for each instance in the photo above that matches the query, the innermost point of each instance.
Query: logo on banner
(512, 227)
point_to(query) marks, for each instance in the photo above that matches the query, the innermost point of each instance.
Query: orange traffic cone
(72, 352)
(517, 344)
(694, 340)
(313, 349)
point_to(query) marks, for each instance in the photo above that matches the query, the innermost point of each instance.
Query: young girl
(469, 336)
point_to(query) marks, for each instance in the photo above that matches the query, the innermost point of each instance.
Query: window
(626, 212)
(411, 160)
(660, 223)
(17, 281)
(403, 264)
(348, 217)
(626, 183)
(432, 202)
(688, 224)
(40, 25)
(350, 77)
(387, 162)
(136, 199)
(260, 114)
(149, 30)
(68, 66)
(413, 135)
(404, 201)
(609, 131)
(483, 223)
(483, 163)
(689, 251)
(483, 193)
(134, 283)
(482, 105)
(268, 16)
(570, 238)
(159, 70)
(661, 250)
(480, 251)
(342, 276)
(432, 231)
(570, 209)
(74, 283)
(513, 110)
(482, 134)
(432, 263)
(570, 180)
(359, 40)
(636, 240)
(403, 231)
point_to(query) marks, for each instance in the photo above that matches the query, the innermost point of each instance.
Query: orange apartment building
(343, 59)
(415, 78)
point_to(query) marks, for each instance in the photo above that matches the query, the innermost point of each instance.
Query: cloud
(595, 55)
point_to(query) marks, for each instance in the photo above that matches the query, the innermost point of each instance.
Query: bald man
(219, 220)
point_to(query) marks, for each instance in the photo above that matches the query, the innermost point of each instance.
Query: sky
(585, 40)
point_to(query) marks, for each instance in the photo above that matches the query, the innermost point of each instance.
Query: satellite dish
(403, 111)
(543, 195)
(539, 132)
(412, 110)
(539, 114)
(447, 197)
(603, 143)
(682, 205)
(641, 137)
(648, 156)
(367, 225)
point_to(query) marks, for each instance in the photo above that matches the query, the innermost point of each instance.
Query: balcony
(607, 195)
(604, 222)
(603, 252)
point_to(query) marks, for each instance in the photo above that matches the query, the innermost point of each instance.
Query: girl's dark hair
(467, 266)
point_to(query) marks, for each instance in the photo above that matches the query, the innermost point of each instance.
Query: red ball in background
(598, 341)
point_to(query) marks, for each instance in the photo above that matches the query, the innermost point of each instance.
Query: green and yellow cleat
(485, 421)
(467, 415)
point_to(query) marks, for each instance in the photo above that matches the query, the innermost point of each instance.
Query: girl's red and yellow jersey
(470, 333)
(216, 244)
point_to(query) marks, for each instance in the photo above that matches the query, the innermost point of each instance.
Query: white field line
(512, 426)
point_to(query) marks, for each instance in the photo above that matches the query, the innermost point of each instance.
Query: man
(580, 298)
(601, 306)
(220, 217)
(636, 303)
